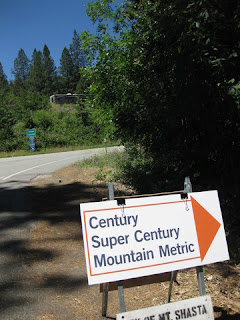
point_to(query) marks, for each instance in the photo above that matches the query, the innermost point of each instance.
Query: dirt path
(56, 266)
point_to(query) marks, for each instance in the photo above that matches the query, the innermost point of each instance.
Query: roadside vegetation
(25, 103)
(108, 166)
(67, 127)
(115, 167)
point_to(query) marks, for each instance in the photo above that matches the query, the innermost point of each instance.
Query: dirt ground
(62, 272)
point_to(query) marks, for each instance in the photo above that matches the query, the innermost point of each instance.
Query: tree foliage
(66, 70)
(21, 69)
(78, 57)
(24, 102)
(167, 80)
(3, 78)
(49, 72)
(36, 72)
(6, 124)
(40, 74)
(170, 79)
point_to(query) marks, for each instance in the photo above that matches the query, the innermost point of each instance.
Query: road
(22, 169)
(16, 172)
(16, 219)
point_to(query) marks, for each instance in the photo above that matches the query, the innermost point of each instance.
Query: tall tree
(168, 80)
(75, 49)
(78, 57)
(66, 71)
(49, 72)
(36, 71)
(21, 69)
(3, 78)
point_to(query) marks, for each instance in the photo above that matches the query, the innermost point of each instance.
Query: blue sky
(29, 24)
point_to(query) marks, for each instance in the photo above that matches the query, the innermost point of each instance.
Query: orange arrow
(206, 225)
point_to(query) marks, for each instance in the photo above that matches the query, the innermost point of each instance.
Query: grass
(107, 166)
(108, 159)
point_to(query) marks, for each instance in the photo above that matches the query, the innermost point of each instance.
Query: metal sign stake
(200, 276)
(120, 283)
(105, 299)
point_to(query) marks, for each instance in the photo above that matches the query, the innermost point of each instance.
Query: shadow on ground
(224, 315)
(20, 211)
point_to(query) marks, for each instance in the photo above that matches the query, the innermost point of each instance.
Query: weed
(106, 165)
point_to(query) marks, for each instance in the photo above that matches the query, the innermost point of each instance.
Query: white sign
(196, 308)
(152, 235)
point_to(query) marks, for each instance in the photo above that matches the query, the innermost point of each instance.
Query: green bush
(138, 170)
(67, 125)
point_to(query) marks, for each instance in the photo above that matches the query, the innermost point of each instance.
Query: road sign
(152, 235)
(31, 141)
(32, 146)
(31, 133)
(199, 308)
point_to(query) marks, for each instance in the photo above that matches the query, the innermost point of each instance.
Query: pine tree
(77, 54)
(66, 71)
(21, 69)
(49, 72)
(36, 72)
(3, 78)
(78, 57)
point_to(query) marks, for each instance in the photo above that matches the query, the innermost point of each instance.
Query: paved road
(16, 220)
(16, 172)
(23, 169)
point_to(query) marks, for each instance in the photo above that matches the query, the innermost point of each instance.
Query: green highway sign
(31, 133)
